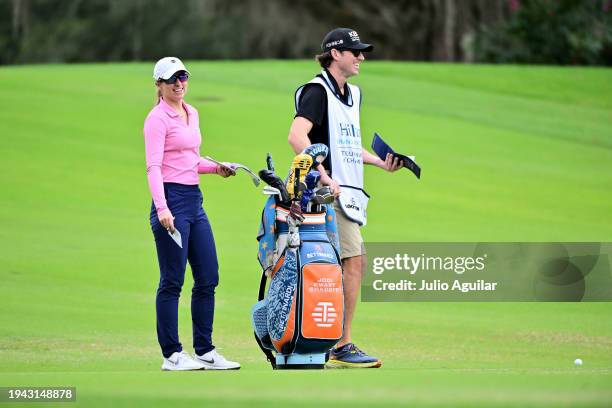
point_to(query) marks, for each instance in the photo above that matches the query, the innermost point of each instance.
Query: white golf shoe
(181, 362)
(215, 361)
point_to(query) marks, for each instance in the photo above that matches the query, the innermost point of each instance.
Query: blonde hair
(158, 93)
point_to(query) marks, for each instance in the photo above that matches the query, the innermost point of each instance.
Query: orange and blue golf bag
(299, 316)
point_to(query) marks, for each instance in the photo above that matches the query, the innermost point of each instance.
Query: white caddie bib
(345, 148)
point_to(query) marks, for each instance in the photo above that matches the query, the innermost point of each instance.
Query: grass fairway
(508, 154)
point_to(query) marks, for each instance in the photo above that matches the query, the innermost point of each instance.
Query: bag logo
(324, 314)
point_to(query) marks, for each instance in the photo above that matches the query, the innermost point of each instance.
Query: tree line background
(498, 31)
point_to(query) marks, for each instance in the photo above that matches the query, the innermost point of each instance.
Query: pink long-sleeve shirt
(172, 149)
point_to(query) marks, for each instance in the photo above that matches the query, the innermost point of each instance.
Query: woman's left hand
(225, 170)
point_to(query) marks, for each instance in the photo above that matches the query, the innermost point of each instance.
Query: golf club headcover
(306, 196)
(312, 178)
(271, 179)
(318, 152)
(302, 163)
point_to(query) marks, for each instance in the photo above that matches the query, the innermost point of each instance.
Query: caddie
(327, 111)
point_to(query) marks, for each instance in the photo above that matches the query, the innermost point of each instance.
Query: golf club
(321, 196)
(268, 190)
(274, 181)
(236, 166)
(269, 162)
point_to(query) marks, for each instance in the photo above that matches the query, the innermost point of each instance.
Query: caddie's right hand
(167, 220)
(328, 181)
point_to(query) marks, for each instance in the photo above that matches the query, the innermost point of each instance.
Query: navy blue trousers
(185, 203)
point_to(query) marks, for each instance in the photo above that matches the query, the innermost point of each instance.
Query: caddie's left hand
(391, 164)
(225, 170)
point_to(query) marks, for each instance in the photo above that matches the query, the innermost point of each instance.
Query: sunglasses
(180, 76)
(355, 53)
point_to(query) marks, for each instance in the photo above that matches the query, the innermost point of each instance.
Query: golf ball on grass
(578, 362)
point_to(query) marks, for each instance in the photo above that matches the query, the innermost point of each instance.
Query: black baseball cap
(344, 39)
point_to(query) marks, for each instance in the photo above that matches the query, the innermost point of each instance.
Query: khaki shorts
(351, 242)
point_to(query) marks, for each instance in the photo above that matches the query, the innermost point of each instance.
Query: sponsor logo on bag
(286, 302)
(324, 314)
(327, 255)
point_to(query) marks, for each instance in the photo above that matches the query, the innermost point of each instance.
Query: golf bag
(301, 316)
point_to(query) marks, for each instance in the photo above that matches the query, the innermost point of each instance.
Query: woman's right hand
(167, 220)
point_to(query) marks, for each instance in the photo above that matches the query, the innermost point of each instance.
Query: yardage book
(381, 149)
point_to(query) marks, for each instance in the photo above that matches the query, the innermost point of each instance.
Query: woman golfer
(180, 225)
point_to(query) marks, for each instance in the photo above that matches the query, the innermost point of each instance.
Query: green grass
(508, 154)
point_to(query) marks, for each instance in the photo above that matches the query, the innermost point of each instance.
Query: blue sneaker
(350, 356)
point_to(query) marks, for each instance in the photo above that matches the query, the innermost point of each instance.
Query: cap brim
(171, 72)
(362, 47)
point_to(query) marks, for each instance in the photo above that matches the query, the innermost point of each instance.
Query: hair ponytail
(158, 95)
(325, 59)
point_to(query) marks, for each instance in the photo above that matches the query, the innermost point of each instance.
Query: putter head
(323, 195)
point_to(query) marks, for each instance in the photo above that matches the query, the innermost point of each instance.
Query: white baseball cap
(167, 66)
